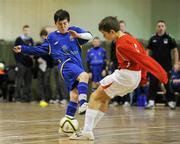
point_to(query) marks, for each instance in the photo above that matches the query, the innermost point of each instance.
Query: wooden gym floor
(31, 124)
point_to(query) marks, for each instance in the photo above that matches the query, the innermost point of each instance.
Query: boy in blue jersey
(96, 61)
(64, 45)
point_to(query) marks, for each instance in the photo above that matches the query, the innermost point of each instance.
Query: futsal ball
(68, 125)
(43, 104)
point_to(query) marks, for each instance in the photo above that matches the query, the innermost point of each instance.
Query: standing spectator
(24, 64)
(61, 93)
(161, 45)
(45, 64)
(96, 62)
(122, 25)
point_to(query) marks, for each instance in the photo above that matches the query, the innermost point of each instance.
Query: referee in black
(160, 47)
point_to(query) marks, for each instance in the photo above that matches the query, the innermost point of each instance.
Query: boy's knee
(84, 76)
(100, 96)
(74, 97)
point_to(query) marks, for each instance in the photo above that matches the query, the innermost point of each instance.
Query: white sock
(83, 97)
(90, 119)
(98, 118)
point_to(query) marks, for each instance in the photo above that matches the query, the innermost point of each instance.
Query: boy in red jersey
(133, 64)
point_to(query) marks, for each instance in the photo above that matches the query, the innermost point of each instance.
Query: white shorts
(121, 82)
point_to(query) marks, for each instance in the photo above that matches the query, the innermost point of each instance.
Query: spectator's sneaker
(172, 105)
(82, 135)
(150, 105)
(56, 101)
(63, 101)
(83, 108)
(51, 101)
(126, 104)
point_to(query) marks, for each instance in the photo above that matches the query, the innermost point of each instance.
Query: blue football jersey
(60, 46)
(96, 56)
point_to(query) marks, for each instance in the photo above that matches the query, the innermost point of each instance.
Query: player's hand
(74, 34)
(17, 49)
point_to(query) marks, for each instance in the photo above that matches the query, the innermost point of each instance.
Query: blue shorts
(69, 71)
(96, 73)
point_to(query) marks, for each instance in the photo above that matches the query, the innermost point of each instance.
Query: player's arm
(149, 47)
(175, 56)
(81, 35)
(144, 61)
(33, 50)
(85, 35)
(175, 53)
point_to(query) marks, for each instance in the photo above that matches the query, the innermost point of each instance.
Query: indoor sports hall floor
(31, 124)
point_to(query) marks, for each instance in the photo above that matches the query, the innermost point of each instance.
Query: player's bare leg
(83, 79)
(98, 105)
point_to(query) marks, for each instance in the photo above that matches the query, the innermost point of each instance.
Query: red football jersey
(131, 55)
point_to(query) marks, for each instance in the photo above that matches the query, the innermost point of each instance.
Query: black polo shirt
(161, 47)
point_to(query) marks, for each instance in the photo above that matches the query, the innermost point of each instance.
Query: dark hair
(161, 21)
(26, 26)
(43, 32)
(122, 21)
(109, 23)
(96, 38)
(61, 15)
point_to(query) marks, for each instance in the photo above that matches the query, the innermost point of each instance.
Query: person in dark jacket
(24, 65)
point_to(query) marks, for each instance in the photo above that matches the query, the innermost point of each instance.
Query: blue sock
(82, 101)
(82, 90)
(71, 109)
